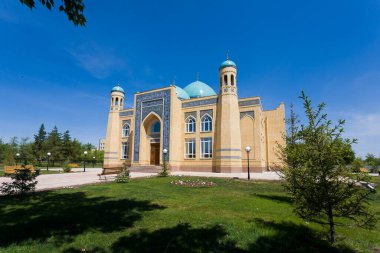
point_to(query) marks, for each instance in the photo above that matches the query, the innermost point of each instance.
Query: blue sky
(55, 73)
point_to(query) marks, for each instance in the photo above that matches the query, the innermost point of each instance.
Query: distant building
(199, 129)
(102, 143)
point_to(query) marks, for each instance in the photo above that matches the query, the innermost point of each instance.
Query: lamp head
(18, 154)
(85, 152)
(48, 153)
(165, 151)
(248, 148)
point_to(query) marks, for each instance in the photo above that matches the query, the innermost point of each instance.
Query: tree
(39, 142)
(53, 144)
(316, 172)
(372, 161)
(72, 8)
(357, 164)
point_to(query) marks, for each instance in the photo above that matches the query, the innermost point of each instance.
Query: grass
(152, 215)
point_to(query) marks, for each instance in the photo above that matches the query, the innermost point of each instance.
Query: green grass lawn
(152, 215)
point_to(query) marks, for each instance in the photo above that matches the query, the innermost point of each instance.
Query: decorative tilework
(152, 103)
(249, 102)
(248, 113)
(209, 112)
(128, 121)
(155, 108)
(149, 99)
(125, 113)
(194, 114)
(209, 101)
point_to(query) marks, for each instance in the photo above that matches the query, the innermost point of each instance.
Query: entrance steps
(146, 168)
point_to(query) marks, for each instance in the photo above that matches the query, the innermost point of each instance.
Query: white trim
(201, 121)
(187, 123)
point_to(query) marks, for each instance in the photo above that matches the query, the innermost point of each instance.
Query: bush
(164, 170)
(23, 181)
(124, 176)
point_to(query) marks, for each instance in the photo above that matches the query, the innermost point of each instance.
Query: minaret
(112, 147)
(228, 140)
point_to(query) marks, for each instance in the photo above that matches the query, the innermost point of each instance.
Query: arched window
(190, 125)
(156, 127)
(225, 80)
(126, 130)
(232, 80)
(117, 102)
(206, 123)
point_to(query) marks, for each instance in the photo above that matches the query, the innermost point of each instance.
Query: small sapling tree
(317, 174)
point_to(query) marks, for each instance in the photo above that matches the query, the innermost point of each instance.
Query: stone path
(63, 180)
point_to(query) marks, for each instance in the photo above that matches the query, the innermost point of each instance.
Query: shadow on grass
(287, 237)
(291, 237)
(181, 238)
(278, 198)
(59, 217)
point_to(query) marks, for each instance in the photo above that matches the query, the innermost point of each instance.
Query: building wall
(260, 130)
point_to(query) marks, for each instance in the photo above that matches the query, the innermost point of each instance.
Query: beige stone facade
(201, 130)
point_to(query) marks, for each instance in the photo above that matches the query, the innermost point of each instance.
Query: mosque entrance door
(155, 153)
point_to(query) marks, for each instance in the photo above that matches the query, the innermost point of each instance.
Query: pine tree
(316, 172)
(39, 141)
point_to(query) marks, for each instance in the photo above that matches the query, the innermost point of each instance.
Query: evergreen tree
(66, 145)
(53, 144)
(316, 173)
(39, 143)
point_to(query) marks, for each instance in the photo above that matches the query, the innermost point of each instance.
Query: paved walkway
(64, 180)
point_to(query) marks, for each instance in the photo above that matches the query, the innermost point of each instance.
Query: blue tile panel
(126, 113)
(209, 112)
(249, 102)
(209, 101)
(145, 104)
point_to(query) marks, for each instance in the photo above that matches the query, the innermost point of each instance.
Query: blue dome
(198, 89)
(227, 63)
(118, 88)
(181, 94)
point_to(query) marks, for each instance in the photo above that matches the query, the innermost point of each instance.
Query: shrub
(124, 176)
(164, 170)
(23, 181)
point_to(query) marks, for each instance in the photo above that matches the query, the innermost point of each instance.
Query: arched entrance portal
(151, 140)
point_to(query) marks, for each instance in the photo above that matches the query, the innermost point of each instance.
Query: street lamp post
(17, 157)
(48, 160)
(248, 149)
(84, 163)
(165, 151)
(93, 162)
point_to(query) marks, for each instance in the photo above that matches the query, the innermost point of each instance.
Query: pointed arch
(190, 123)
(206, 123)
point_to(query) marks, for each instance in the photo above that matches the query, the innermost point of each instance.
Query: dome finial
(197, 76)
(173, 82)
(228, 54)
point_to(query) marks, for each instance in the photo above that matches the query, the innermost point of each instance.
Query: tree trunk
(331, 222)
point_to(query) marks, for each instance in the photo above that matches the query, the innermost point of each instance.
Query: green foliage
(66, 166)
(23, 181)
(124, 175)
(316, 174)
(373, 162)
(357, 164)
(164, 170)
(72, 8)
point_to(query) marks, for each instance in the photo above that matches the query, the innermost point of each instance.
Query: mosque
(194, 129)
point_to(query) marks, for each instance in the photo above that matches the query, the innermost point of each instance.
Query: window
(117, 102)
(206, 147)
(206, 123)
(126, 130)
(190, 148)
(124, 150)
(225, 79)
(156, 127)
(232, 80)
(190, 125)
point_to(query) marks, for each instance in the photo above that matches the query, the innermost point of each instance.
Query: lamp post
(48, 160)
(93, 162)
(248, 149)
(84, 162)
(17, 157)
(165, 151)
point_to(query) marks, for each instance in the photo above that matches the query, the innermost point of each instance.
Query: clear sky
(55, 73)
